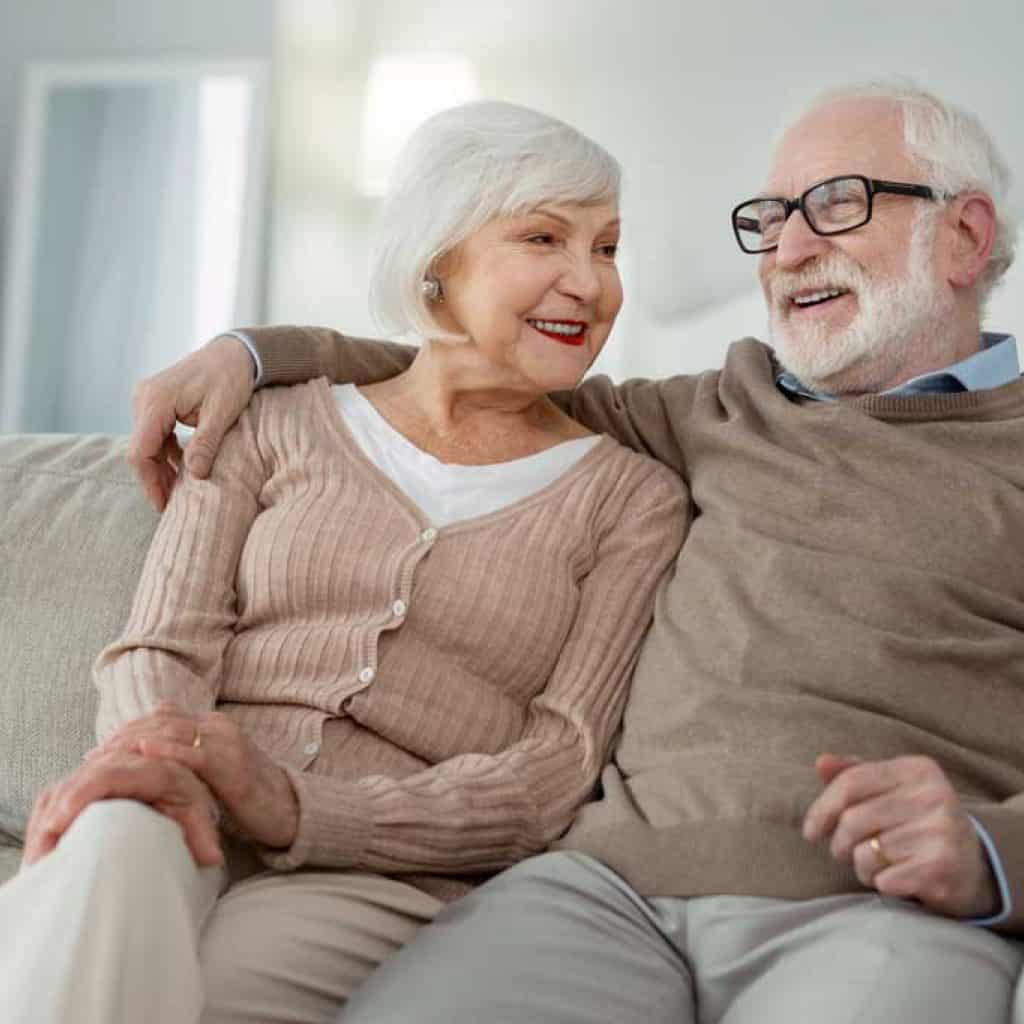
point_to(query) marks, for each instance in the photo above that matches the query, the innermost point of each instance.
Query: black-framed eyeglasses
(830, 207)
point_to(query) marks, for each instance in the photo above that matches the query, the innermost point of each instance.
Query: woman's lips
(550, 329)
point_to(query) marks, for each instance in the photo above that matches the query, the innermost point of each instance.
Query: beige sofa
(74, 530)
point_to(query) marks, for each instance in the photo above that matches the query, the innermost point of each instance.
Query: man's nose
(798, 243)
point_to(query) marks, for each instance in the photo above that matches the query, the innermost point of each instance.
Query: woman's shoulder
(634, 469)
(289, 399)
(295, 420)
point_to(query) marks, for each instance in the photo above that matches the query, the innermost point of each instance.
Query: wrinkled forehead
(853, 136)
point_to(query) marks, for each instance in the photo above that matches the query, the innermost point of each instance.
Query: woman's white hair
(460, 169)
(955, 154)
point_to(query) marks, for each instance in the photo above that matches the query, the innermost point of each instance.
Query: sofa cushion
(74, 531)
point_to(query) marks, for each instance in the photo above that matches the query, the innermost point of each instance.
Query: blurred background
(170, 168)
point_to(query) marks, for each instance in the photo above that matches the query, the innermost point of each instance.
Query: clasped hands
(905, 831)
(155, 759)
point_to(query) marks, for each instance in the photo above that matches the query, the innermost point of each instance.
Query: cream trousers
(119, 926)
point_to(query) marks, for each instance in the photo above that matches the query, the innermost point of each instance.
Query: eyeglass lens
(829, 207)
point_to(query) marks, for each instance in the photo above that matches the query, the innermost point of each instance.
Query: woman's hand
(167, 787)
(252, 787)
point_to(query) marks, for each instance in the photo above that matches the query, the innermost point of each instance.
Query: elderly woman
(388, 641)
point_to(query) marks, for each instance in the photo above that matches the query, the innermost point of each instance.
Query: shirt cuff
(257, 362)
(1005, 900)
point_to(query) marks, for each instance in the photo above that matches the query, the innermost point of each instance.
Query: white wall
(81, 30)
(688, 95)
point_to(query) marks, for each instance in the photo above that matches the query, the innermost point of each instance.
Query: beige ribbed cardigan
(443, 700)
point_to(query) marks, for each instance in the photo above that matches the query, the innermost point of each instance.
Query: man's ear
(972, 220)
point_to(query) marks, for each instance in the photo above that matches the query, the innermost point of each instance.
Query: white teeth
(808, 300)
(552, 327)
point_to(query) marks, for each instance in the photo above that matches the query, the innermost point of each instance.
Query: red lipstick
(574, 339)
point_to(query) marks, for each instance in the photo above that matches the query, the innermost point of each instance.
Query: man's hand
(207, 390)
(253, 788)
(167, 787)
(905, 830)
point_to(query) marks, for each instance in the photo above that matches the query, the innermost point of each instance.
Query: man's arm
(648, 416)
(290, 355)
(209, 389)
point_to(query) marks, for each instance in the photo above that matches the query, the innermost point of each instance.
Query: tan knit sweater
(451, 734)
(853, 582)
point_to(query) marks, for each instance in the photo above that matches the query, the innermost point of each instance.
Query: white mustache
(833, 271)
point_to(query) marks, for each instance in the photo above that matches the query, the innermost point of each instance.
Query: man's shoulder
(746, 359)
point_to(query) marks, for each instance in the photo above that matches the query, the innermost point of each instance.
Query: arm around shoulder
(289, 355)
(648, 416)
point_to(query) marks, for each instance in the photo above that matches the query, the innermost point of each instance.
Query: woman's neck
(459, 408)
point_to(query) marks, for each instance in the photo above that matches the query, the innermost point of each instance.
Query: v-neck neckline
(336, 422)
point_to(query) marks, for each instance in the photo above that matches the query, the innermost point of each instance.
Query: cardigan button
(428, 535)
(366, 675)
(399, 608)
(311, 749)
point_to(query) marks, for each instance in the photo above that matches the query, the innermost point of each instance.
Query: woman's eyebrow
(540, 211)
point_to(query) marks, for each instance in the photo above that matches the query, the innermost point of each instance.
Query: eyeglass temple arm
(901, 189)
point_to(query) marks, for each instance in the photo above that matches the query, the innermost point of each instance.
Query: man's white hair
(954, 152)
(461, 169)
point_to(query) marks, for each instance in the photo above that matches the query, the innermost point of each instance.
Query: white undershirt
(446, 492)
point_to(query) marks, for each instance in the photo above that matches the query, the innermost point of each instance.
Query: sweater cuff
(334, 825)
(257, 363)
(286, 354)
(1004, 828)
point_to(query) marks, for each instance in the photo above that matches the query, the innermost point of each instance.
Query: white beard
(895, 320)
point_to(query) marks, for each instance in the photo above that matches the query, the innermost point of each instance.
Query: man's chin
(828, 365)
(850, 377)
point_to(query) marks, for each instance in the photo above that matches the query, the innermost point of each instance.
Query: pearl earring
(431, 289)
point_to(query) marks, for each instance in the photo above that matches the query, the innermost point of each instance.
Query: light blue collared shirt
(994, 364)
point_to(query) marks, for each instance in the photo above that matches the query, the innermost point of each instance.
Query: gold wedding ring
(881, 860)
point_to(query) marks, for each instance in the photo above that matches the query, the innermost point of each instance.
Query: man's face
(849, 312)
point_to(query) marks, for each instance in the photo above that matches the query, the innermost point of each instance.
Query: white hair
(954, 152)
(461, 169)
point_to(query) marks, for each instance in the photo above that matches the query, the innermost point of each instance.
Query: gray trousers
(561, 939)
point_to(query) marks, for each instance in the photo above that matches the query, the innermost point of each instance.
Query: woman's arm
(480, 812)
(184, 610)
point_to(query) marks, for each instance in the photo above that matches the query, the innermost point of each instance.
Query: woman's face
(537, 294)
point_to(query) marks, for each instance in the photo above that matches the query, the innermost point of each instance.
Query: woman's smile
(567, 332)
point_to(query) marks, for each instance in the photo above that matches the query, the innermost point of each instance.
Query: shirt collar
(994, 364)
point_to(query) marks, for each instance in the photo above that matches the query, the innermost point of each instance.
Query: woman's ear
(972, 221)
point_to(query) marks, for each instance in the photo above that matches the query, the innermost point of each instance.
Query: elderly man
(816, 808)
